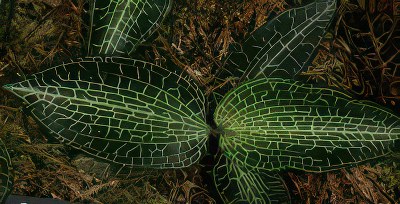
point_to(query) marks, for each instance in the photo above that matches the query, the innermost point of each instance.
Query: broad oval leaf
(126, 111)
(237, 183)
(119, 26)
(278, 123)
(283, 46)
(5, 174)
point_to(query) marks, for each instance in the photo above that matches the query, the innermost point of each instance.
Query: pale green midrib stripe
(240, 112)
(238, 91)
(313, 118)
(273, 82)
(193, 128)
(194, 125)
(338, 96)
(125, 108)
(125, 25)
(131, 17)
(116, 26)
(271, 130)
(107, 11)
(203, 133)
(41, 74)
(176, 110)
(297, 113)
(317, 17)
(155, 116)
(335, 109)
(277, 138)
(191, 125)
(265, 93)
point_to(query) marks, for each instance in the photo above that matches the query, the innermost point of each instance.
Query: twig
(10, 108)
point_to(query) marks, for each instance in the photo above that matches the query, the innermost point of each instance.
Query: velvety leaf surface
(125, 111)
(5, 174)
(283, 46)
(238, 183)
(119, 26)
(278, 123)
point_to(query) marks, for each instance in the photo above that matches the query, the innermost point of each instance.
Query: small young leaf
(237, 183)
(125, 111)
(5, 173)
(283, 46)
(278, 123)
(119, 26)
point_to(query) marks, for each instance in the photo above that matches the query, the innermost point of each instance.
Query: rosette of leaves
(5, 173)
(117, 27)
(135, 113)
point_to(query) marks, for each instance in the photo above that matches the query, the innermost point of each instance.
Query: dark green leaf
(277, 123)
(5, 174)
(237, 183)
(119, 26)
(125, 111)
(283, 46)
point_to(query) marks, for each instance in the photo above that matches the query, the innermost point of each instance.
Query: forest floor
(361, 54)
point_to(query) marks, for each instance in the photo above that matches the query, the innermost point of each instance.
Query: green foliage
(119, 26)
(125, 111)
(135, 113)
(274, 124)
(277, 123)
(283, 46)
(238, 183)
(257, 125)
(5, 174)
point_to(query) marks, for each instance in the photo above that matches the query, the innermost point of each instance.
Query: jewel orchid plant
(137, 114)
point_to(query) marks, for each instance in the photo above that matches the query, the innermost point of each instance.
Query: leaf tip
(8, 87)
